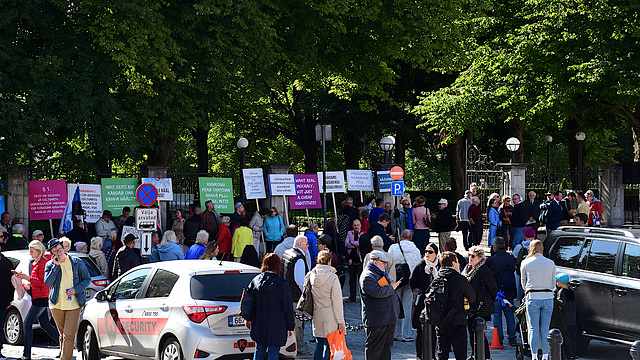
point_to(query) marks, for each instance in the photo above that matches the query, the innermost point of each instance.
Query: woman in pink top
(422, 221)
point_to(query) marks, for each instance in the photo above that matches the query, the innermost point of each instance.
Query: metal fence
(562, 179)
(632, 204)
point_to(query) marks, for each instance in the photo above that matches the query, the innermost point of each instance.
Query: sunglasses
(430, 252)
(472, 256)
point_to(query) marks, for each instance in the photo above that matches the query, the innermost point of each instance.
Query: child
(567, 302)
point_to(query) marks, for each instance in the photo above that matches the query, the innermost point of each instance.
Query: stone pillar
(513, 181)
(611, 194)
(17, 202)
(277, 201)
(160, 171)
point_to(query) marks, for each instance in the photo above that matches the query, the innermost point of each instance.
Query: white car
(173, 310)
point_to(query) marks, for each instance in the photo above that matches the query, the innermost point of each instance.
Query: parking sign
(397, 188)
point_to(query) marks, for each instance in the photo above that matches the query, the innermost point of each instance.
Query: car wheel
(13, 331)
(171, 350)
(90, 345)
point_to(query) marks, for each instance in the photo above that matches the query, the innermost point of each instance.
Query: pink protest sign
(308, 193)
(47, 199)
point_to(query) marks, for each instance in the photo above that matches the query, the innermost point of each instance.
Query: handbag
(305, 303)
(403, 272)
(246, 303)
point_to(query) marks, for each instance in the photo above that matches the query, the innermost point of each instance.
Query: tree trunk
(636, 143)
(202, 149)
(518, 133)
(162, 152)
(456, 154)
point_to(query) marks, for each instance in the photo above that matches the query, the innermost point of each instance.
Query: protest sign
(47, 199)
(308, 194)
(118, 193)
(218, 190)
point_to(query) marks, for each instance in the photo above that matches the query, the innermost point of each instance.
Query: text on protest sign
(361, 180)
(47, 199)
(218, 190)
(164, 186)
(282, 184)
(335, 181)
(384, 181)
(91, 199)
(254, 183)
(118, 193)
(308, 194)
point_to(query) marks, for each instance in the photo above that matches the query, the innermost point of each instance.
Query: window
(91, 266)
(129, 286)
(161, 284)
(566, 250)
(222, 287)
(631, 261)
(602, 256)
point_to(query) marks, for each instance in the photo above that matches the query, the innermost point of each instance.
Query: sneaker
(350, 300)
(304, 352)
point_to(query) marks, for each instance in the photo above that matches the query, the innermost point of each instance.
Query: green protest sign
(218, 190)
(118, 193)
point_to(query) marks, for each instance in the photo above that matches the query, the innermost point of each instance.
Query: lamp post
(513, 144)
(580, 136)
(549, 140)
(242, 144)
(386, 144)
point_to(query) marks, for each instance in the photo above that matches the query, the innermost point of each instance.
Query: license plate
(236, 320)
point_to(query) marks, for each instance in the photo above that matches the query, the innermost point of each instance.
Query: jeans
(509, 316)
(517, 236)
(39, 313)
(403, 326)
(323, 351)
(274, 352)
(539, 317)
(421, 239)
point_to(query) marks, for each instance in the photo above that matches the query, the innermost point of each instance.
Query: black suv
(604, 268)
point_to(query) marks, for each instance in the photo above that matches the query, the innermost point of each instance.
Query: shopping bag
(338, 346)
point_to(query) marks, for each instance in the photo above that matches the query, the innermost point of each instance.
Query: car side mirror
(101, 295)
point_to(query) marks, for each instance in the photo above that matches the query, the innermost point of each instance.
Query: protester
(483, 284)
(462, 218)
(210, 220)
(250, 256)
(120, 220)
(583, 206)
(343, 220)
(538, 278)
(168, 248)
(197, 249)
(376, 210)
(502, 266)
(364, 221)
(580, 219)
(155, 254)
(458, 289)
(328, 314)
(67, 278)
(104, 225)
(256, 225)
(239, 211)
(337, 245)
(312, 237)
(405, 252)
(225, 238)
(378, 229)
(324, 243)
(39, 298)
(422, 222)
(38, 235)
(380, 307)
(78, 233)
(5, 222)
(81, 247)
(242, 237)
(421, 277)
(270, 319)
(452, 245)
(475, 221)
(532, 205)
(404, 220)
(294, 269)
(178, 225)
(98, 256)
(66, 244)
(554, 212)
(378, 244)
(192, 225)
(566, 299)
(6, 295)
(443, 222)
(355, 260)
(273, 228)
(287, 243)
(494, 220)
(595, 209)
(518, 221)
(126, 258)
(16, 240)
(520, 252)
(211, 252)
(505, 216)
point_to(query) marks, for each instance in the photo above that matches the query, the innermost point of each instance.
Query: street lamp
(386, 144)
(580, 136)
(549, 140)
(242, 144)
(513, 144)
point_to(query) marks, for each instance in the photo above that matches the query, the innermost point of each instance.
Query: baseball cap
(37, 232)
(378, 255)
(563, 278)
(237, 205)
(468, 192)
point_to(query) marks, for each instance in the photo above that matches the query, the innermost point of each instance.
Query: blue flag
(66, 223)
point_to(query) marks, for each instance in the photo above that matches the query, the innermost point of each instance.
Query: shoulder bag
(305, 303)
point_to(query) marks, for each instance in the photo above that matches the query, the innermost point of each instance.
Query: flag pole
(51, 228)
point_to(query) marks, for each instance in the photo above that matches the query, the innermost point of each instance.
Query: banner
(384, 181)
(308, 193)
(164, 186)
(282, 184)
(360, 180)
(254, 184)
(47, 199)
(91, 199)
(118, 193)
(335, 181)
(218, 190)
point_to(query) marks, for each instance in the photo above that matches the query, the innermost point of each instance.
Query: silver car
(18, 309)
(184, 309)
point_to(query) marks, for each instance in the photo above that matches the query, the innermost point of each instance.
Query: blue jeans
(39, 313)
(517, 236)
(509, 316)
(323, 351)
(539, 317)
(273, 351)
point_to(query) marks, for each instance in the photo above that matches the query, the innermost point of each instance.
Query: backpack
(438, 309)
(544, 209)
(506, 279)
(522, 253)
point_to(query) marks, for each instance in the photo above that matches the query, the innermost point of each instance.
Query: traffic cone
(495, 341)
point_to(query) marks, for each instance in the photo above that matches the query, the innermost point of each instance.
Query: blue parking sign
(397, 188)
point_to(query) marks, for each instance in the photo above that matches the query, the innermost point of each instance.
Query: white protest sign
(282, 184)
(335, 181)
(146, 219)
(126, 230)
(91, 199)
(164, 186)
(254, 184)
(360, 180)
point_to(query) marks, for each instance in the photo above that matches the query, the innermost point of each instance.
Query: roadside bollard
(479, 328)
(555, 344)
(635, 350)
(427, 337)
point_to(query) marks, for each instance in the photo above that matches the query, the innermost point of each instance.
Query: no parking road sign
(147, 194)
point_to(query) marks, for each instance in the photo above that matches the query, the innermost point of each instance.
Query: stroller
(522, 349)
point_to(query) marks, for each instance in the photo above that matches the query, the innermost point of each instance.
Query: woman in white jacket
(405, 252)
(328, 314)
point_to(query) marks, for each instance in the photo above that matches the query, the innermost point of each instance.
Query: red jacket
(595, 206)
(224, 239)
(38, 288)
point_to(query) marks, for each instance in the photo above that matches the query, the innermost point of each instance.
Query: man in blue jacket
(380, 307)
(554, 212)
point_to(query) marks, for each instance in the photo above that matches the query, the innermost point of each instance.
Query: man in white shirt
(104, 225)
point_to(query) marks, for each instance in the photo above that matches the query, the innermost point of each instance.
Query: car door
(152, 311)
(595, 284)
(120, 325)
(626, 295)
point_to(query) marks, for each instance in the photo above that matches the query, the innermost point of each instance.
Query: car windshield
(220, 287)
(91, 266)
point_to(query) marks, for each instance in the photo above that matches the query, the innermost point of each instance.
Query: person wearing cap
(81, 247)
(38, 235)
(380, 307)
(442, 223)
(67, 278)
(378, 244)
(104, 225)
(462, 218)
(126, 258)
(239, 211)
(566, 298)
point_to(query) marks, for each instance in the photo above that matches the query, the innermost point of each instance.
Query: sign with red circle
(396, 173)
(146, 194)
